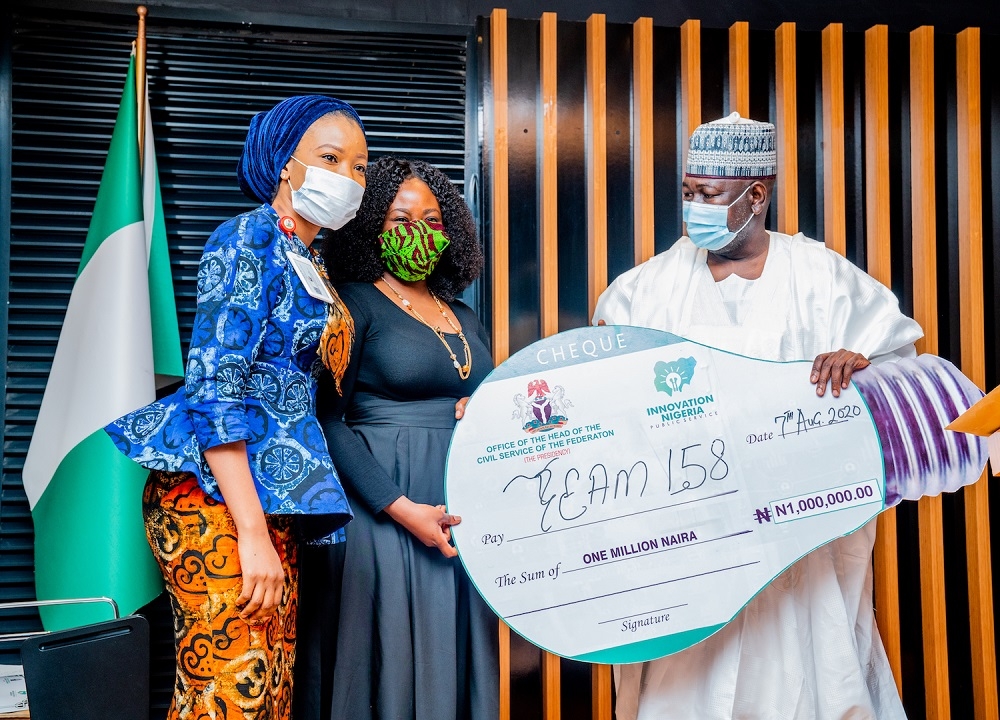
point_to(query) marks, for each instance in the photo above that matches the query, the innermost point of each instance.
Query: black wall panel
(714, 73)
(991, 208)
(899, 167)
(762, 104)
(621, 250)
(524, 114)
(571, 175)
(809, 94)
(854, 149)
(667, 142)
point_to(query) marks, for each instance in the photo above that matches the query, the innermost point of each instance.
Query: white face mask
(708, 225)
(326, 198)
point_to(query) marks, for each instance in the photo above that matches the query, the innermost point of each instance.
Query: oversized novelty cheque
(625, 492)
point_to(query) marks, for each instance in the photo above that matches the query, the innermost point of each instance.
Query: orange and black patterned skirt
(226, 668)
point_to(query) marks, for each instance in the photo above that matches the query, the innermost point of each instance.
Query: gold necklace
(463, 370)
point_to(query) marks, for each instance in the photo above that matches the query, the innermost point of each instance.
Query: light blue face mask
(708, 225)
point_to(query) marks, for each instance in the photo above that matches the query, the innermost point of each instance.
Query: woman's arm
(356, 466)
(263, 575)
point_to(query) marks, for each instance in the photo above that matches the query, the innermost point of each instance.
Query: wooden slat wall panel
(899, 197)
(970, 209)
(596, 159)
(601, 679)
(499, 255)
(786, 188)
(924, 244)
(499, 239)
(835, 194)
(551, 687)
(548, 162)
(970, 251)
(597, 239)
(642, 138)
(877, 154)
(504, 667)
(739, 68)
(549, 261)
(879, 255)
(690, 81)
(922, 158)
(549, 269)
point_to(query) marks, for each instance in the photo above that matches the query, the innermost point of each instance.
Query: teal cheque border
(652, 648)
(664, 645)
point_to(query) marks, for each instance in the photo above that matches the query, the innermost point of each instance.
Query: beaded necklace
(463, 370)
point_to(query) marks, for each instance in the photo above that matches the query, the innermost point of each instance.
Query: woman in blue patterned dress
(240, 467)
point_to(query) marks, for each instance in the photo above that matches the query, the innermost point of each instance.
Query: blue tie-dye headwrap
(273, 137)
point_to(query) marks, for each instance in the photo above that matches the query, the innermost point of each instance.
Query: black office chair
(95, 672)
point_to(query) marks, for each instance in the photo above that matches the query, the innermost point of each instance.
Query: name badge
(310, 277)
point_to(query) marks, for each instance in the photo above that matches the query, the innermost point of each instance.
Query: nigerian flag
(120, 334)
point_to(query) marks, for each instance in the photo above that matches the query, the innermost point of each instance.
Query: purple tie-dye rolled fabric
(912, 401)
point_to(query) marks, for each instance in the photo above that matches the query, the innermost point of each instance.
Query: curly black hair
(352, 254)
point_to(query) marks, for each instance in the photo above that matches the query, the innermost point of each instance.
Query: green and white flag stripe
(85, 496)
(167, 362)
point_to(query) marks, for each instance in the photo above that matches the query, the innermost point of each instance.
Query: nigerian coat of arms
(541, 409)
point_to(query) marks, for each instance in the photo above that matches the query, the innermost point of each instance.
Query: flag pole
(140, 77)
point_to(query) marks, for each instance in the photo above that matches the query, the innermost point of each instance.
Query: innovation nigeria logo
(671, 377)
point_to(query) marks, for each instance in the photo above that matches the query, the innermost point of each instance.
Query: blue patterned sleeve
(236, 281)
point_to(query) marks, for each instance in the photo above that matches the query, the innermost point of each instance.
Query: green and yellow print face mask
(411, 250)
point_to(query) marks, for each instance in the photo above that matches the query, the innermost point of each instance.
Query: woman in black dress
(390, 625)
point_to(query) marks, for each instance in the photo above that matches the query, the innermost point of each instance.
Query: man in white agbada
(807, 646)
